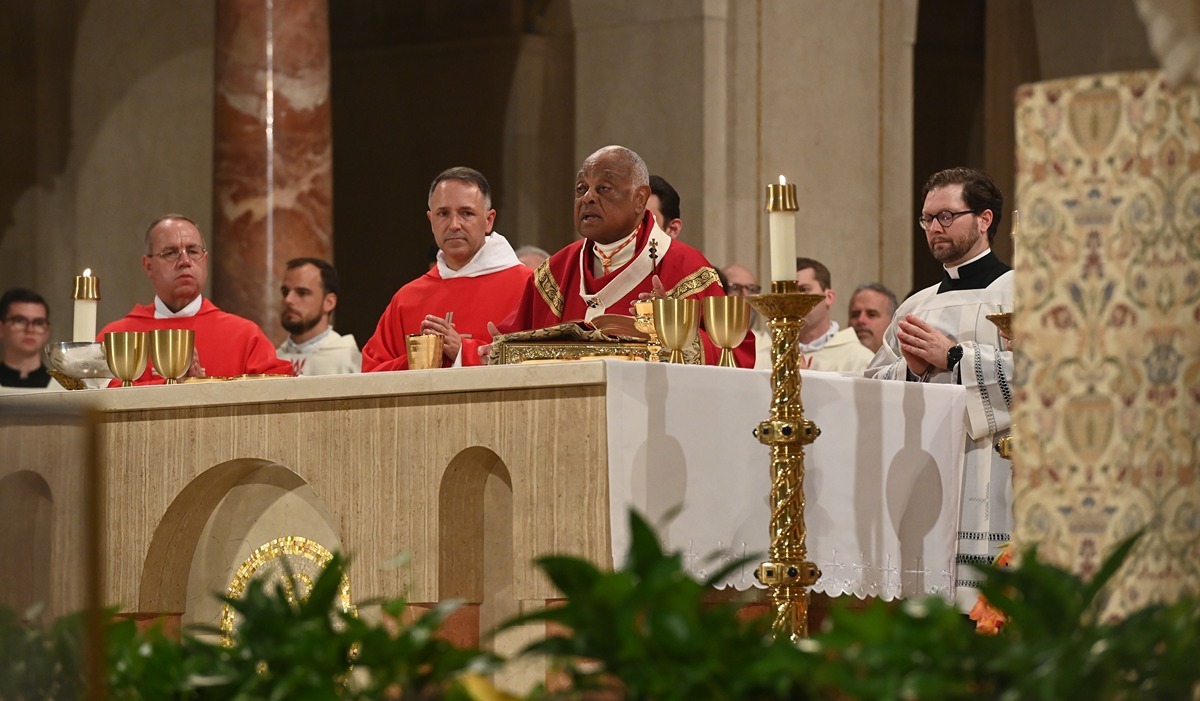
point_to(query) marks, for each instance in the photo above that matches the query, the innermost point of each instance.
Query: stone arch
(475, 534)
(26, 544)
(214, 523)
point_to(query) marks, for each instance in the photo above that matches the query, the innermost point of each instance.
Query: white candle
(781, 219)
(87, 295)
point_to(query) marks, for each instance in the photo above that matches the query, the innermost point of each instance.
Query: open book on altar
(607, 336)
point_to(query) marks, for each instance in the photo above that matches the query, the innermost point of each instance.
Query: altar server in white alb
(941, 334)
(309, 291)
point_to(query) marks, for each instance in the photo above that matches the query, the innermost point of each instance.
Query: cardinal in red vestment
(176, 262)
(622, 255)
(478, 278)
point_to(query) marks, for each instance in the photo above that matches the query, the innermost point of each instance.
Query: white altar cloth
(883, 480)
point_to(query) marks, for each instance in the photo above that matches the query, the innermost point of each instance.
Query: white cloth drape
(883, 479)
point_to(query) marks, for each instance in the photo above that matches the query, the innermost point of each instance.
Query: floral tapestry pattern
(1108, 328)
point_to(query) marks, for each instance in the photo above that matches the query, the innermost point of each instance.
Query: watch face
(953, 356)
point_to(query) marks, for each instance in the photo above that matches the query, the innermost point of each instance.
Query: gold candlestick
(787, 573)
(1004, 322)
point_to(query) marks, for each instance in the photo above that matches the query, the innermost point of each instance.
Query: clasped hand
(451, 340)
(922, 345)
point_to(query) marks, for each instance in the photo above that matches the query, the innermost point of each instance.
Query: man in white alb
(310, 290)
(940, 334)
(823, 344)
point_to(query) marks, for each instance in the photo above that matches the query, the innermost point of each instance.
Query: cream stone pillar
(273, 170)
(651, 76)
(723, 97)
(823, 95)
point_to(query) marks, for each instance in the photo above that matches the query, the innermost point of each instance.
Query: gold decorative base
(787, 573)
(1004, 447)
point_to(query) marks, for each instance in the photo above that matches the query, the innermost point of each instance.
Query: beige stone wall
(140, 144)
(1108, 305)
(678, 80)
(735, 94)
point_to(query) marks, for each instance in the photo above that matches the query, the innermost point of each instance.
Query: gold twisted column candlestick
(787, 573)
(1004, 322)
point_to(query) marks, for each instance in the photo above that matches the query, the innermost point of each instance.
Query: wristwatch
(953, 356)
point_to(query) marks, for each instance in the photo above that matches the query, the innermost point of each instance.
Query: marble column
(273, 163)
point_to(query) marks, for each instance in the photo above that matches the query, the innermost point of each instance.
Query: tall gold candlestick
(787, 573)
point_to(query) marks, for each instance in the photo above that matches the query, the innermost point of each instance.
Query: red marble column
(273, 161)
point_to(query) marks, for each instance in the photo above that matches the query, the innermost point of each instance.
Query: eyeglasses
(20, 322)
(736, 288)
(171, 255)
(944, 217)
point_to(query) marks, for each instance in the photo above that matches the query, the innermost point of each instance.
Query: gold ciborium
(727, 319)
(126, 353)
(171, 352)
(644, 322)
(424, 351)
(676, 322)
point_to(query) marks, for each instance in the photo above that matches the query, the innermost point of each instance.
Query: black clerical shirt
(12, 378)
(976, 275)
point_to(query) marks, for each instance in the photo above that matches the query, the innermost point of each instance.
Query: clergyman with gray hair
(871, 308)
(624, 255)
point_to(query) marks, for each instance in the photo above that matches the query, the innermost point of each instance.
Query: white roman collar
(954, 273)
(494, 255)
(628, 278)
(162, 312)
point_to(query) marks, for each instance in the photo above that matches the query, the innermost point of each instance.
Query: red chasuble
(227, 344)
(474, 300)
(553, 294)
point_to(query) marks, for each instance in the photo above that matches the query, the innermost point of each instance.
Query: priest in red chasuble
(176, 263)
(477, 277)
(623, 256)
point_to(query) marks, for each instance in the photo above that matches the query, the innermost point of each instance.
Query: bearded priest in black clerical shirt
(941, 335)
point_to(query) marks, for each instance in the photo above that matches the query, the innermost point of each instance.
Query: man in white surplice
(940, 334)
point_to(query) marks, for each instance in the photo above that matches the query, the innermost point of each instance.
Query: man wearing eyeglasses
(176, 263)
(23, 334)
(741, 283)
(940, 334)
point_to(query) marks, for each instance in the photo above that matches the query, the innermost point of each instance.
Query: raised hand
(485, 351)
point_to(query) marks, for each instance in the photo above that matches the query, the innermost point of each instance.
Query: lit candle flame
(782, 180)
(87, 272)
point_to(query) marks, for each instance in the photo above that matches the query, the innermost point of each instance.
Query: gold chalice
(1003, 321)
(676, 322)
(171, 351)
(126, 353)
(727, 319)
(644, 322)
